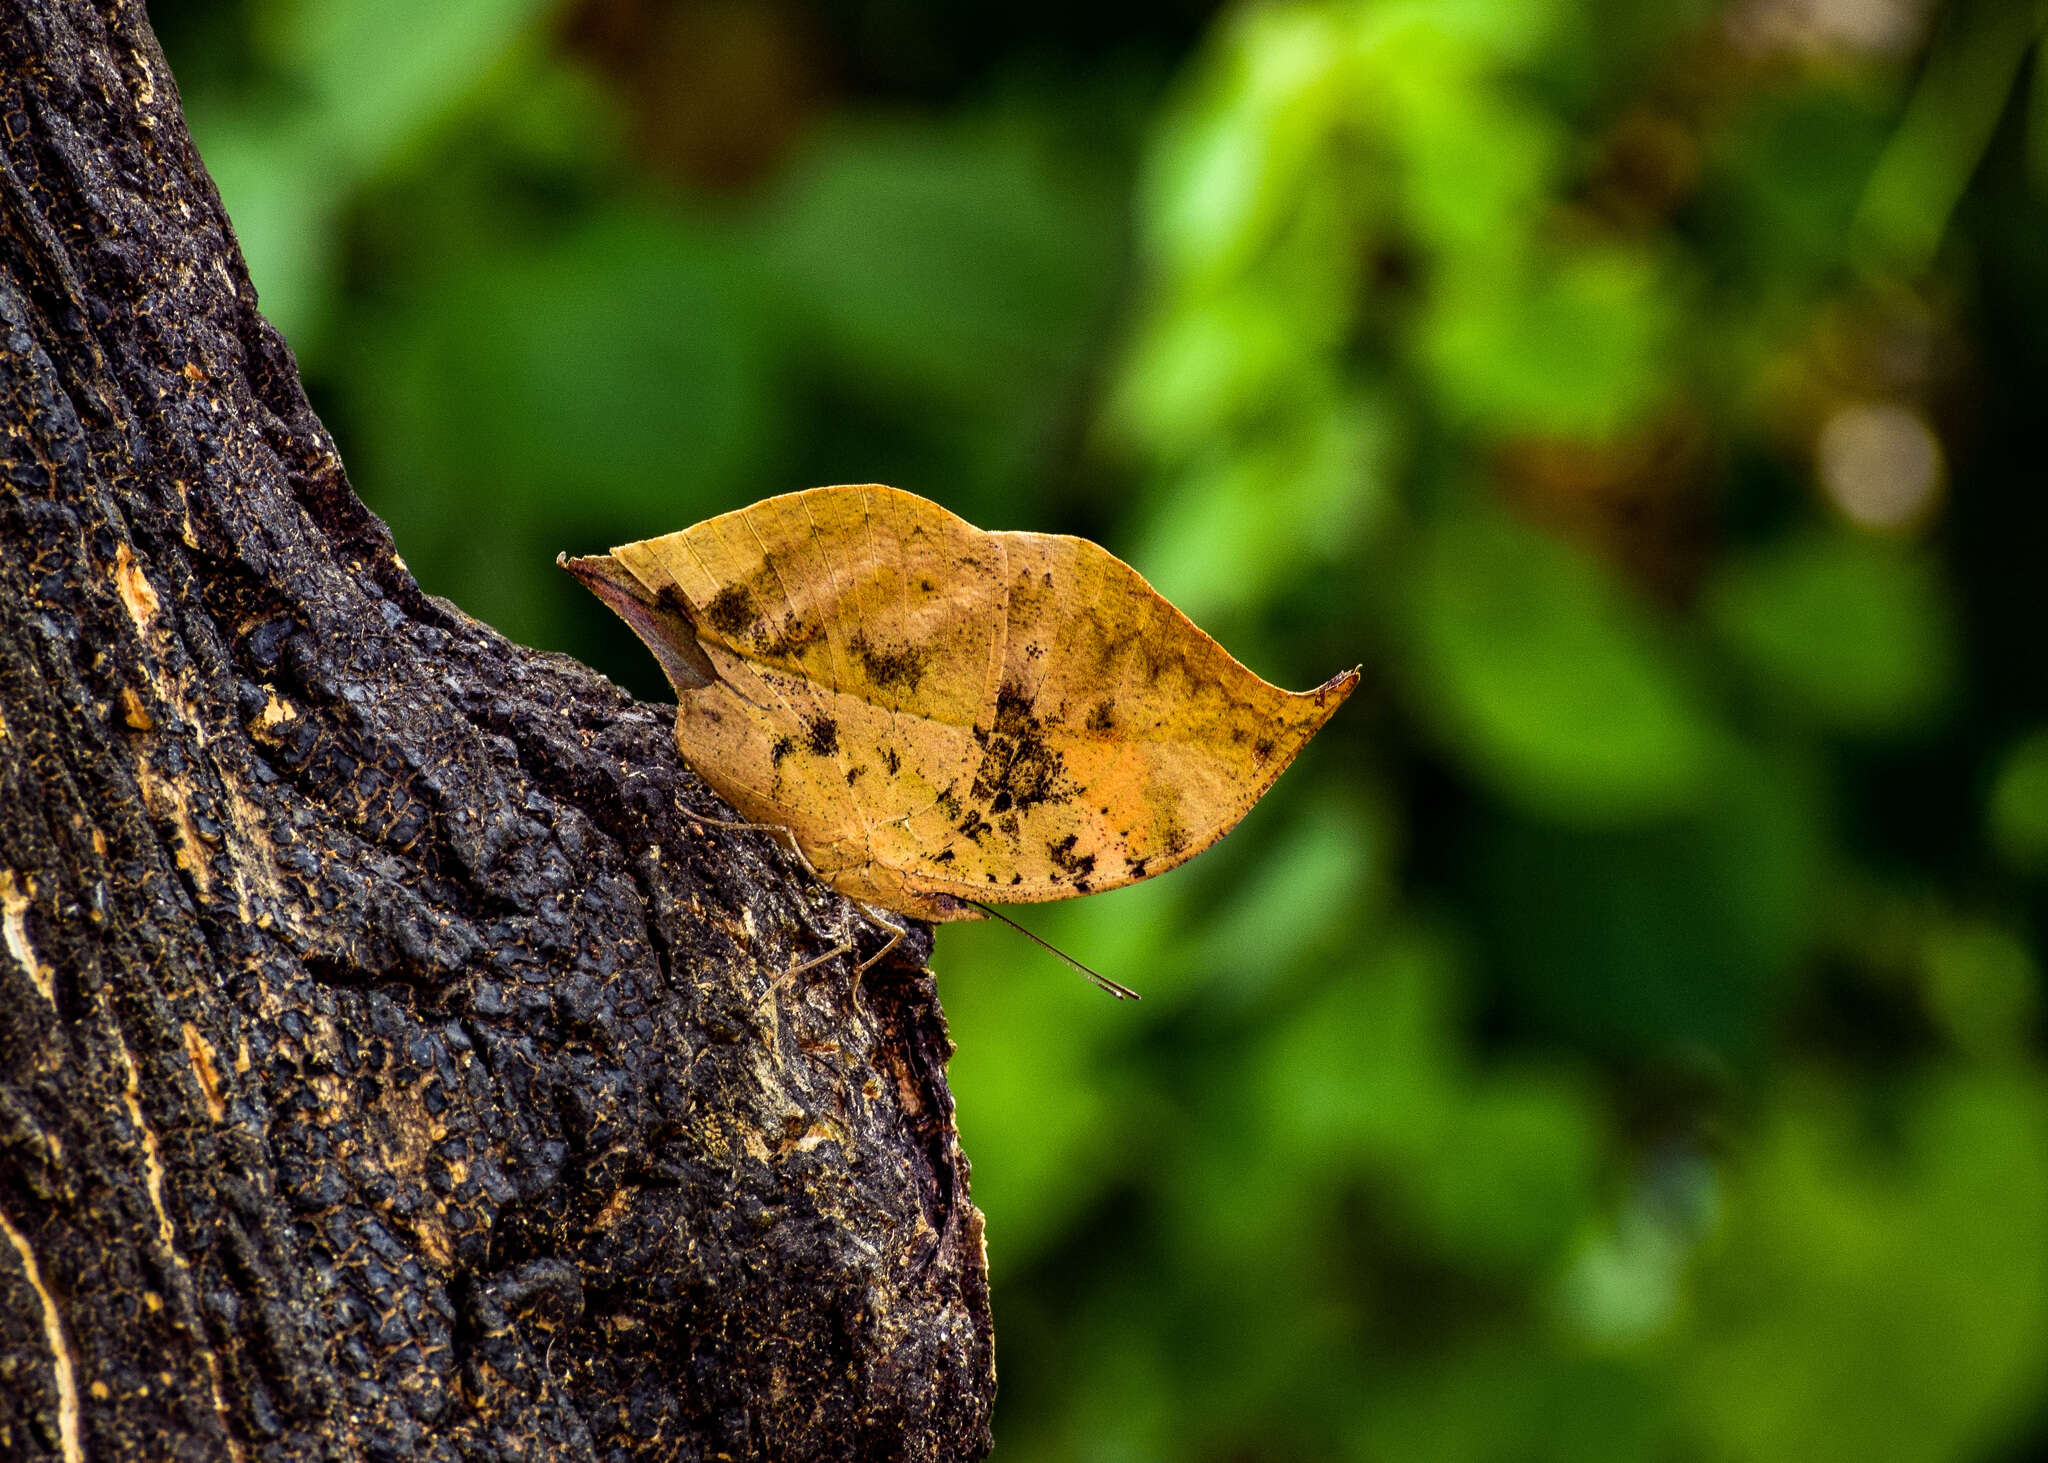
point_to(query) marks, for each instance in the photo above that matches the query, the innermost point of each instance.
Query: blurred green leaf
(1871, 1299)
(361, 79)
(1983, 987)
(1511, 1178)
(1295, 504)
(1549, 682)
(1197, 373)
(1367, 1069)
(1624, 1286)
(1679, 936)
(282, 199)
(1783, 184)
(1047, 1110)
(614, 374)
(1969, 78)
(1310, 889)
(375, 71)
(1513, 1399)
(2018, 814)
(1850, 631)
(1231, 164)
(1574, 351)
(968, 265)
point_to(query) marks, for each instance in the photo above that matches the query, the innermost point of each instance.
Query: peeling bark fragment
(388, 1068)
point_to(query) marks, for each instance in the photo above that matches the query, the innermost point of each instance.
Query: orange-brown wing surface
(1124, 740)
(938, 714)
(858, 636)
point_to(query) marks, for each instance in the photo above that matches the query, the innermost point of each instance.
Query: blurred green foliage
(1619, 1037)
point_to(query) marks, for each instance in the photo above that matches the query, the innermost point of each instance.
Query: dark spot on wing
(782, 748)
(1007, 825)
(974, 827)
(1153, 660)
(1062, 856)
(1016, 878)
(903, 667)
(822, 736)
(853, 774)
(949, 805)
(925, 585)
(789, 641)
(1263, 749)
(1019, 768)
(1048, 580)
(1135, 867)
(943, 856)
(1103, 717)
(891, 761)
(731, 610)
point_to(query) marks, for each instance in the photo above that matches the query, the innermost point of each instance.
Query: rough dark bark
(387, 1068)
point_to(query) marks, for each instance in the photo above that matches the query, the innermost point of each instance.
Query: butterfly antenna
(1102, 982)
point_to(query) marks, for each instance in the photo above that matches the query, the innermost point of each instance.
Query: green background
(1619, 1036)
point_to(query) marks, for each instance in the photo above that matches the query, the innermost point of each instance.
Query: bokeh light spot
(1880, 464)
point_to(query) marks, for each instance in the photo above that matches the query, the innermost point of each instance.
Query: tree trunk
(388, 1068)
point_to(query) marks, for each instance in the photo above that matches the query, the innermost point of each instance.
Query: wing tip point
(1334, 691)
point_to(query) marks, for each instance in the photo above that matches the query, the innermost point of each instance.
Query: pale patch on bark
(60, 1353)
(15, 893)
(136, 592)
(200, 1051)
(153, 1181)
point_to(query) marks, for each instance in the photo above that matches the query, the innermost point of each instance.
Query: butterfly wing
(938, 714)
(1123, 739)
(858, 633)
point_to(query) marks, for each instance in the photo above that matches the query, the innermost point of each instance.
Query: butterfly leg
(776, 831)
(844, 947)
(896, 934)
(703, 822)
